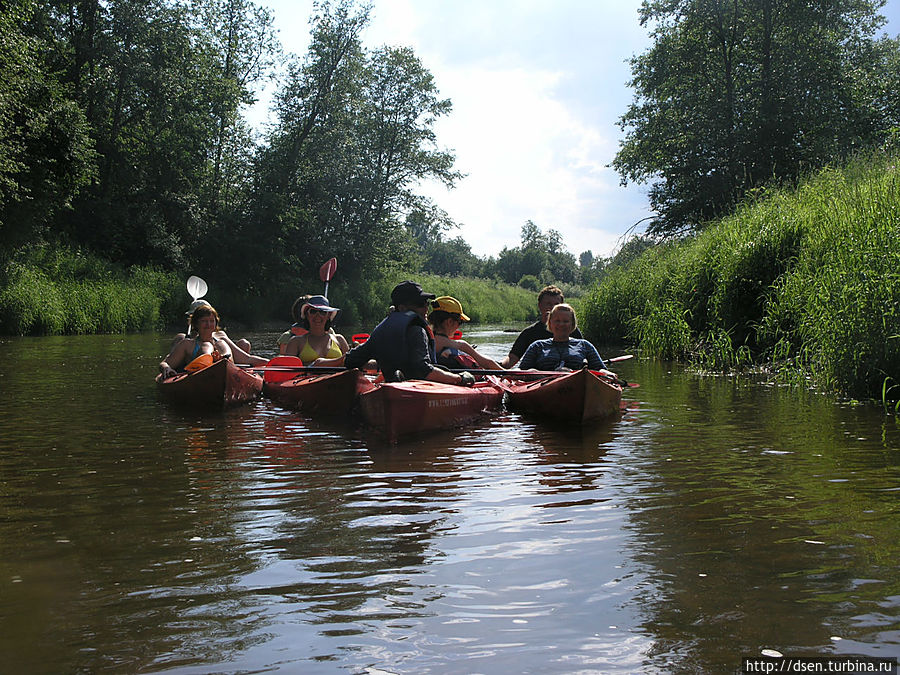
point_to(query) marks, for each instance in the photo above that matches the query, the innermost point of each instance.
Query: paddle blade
(196, 287)
(201, 362)
(326, 271)
(273, 376)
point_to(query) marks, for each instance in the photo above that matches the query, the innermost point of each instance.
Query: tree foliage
(735, 93)
(122, 134)
(354, 135)
(46, 153)
(541, 255)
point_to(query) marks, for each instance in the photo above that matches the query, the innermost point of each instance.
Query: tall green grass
(55, 290)
(805, 281)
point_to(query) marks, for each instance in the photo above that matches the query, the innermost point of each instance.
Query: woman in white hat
(445, 316)
(316, 316)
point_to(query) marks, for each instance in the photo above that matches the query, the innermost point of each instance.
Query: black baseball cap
(410, 293)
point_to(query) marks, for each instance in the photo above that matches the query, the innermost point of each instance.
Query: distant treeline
(803, 281)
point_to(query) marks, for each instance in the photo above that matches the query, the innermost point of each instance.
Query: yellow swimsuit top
(308, 354)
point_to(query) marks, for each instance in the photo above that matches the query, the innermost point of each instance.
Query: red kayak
(327, 394)
(219, 385)
(580, 396)
(401, 408)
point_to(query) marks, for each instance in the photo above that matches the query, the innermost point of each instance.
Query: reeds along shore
(805, 281)
(52, 290)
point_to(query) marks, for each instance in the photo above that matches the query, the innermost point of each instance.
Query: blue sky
(537, 88)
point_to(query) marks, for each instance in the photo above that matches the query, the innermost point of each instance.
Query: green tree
(541, 255)
(735, 93)
(452, 257)
(354, 137)
(239, 46)
(46, 153)
(160, 86)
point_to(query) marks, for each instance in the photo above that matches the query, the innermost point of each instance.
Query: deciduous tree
(735, 93)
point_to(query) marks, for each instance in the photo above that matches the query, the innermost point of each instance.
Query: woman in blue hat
(316, 316)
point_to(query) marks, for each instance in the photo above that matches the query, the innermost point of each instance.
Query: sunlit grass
(53, 291)
(804, 281)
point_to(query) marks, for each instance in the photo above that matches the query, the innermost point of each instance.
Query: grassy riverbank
(56, 290)
(804, 281)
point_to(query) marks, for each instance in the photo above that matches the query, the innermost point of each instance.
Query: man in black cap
(402, 344)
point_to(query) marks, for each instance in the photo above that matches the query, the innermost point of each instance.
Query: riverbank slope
(805, 281)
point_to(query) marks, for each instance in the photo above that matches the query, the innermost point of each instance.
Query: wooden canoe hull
(578, 397)
(220, 385)
(327, 394)
(398, 409)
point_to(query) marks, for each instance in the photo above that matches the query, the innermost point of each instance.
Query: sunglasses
(313, 310)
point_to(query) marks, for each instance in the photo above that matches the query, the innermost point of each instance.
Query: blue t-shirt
(571, 354)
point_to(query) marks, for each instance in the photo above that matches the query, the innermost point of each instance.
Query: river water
(716, 518)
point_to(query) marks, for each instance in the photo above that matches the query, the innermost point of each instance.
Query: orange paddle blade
(282, 375)
(201, 362)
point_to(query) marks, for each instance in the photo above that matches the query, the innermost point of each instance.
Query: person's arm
(520, 346)
(481, 360)
(357, 357)
(593, 356)
(421, 366)
(174, 360)
(342, 343)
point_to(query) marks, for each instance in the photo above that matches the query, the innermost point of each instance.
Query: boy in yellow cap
(445, 316)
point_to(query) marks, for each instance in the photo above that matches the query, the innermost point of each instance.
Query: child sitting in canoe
(445, 317)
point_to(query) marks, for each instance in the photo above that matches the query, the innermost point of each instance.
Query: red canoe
(580, 396)
(220, 385)
(400, 408)
(327, 394)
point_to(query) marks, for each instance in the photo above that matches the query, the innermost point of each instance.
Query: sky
(537, 88)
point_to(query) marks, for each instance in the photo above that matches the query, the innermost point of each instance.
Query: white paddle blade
(196, 287)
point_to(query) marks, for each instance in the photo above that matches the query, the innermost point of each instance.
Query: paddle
(538, 374)
(273, 373)
(326, 272)
(196, 287)
(293, 369)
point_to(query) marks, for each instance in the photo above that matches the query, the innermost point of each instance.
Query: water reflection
(714, 518)
(751, 527)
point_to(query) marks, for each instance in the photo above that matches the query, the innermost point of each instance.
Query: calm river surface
(716, 518)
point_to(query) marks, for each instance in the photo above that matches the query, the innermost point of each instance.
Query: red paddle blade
(273, 376)
(326, 271)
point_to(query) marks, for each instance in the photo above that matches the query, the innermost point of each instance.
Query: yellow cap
(450, 305)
